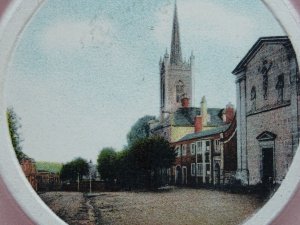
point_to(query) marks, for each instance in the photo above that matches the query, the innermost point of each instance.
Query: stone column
(242, 167)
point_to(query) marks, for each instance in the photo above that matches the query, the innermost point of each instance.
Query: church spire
(176, 57)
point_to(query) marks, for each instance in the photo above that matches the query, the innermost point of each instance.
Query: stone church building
(176, 92)
(267, 87)
(204, 138)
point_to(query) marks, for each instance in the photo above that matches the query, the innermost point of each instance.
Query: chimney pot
(198, 124)
(185, 102)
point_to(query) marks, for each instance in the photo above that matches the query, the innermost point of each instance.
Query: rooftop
(205, 133)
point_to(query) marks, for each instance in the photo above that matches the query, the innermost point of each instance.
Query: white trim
(200, 170)
(193, 148)
(193, 172)
(224, 142)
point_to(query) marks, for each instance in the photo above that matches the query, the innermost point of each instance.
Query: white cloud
(196, 17)
(68, 35)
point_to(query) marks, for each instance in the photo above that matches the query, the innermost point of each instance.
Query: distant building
(48, 181)
(48, 176)
(29, 169)
(267, 84)
(93, 173)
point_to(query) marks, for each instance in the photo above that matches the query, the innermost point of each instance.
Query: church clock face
(114, 108)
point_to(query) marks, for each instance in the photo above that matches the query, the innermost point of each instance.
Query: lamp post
(78, 181)
(90, 173)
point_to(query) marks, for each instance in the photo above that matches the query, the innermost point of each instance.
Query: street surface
(177, 206)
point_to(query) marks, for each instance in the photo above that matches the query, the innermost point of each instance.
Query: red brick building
(207, 156)
(29, 169)
(48, 181)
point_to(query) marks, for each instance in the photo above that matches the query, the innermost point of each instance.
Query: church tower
(176, 78)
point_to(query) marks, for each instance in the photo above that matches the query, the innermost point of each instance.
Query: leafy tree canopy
(14, 127)
(140, 129)
(106, 163)
(153, 153)
(74, 168)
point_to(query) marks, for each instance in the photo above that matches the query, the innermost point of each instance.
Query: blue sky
(84, 71)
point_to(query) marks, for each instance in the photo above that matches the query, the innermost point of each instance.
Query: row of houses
(252, 144)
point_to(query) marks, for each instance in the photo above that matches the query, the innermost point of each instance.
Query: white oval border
(12, 24)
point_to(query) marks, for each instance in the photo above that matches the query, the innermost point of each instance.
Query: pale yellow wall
(179, 132)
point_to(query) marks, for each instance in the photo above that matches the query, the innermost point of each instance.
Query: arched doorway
(217, 174)
(267, 168)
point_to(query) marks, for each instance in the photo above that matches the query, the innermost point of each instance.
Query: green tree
(73, 169)
(106, 164)
(14, 127)
(150, 158)
(140, 129)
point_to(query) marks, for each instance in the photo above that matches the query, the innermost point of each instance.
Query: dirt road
(178, 206)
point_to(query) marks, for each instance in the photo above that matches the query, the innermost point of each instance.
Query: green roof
(205, 133)
(186, 117)
(53, 167)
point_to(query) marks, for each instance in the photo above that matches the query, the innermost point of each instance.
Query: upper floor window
(193, 148)
(183, 150)
(179, 90)
(279, 87)
(177, 150)
(199, 147)
(207, 145)
(253, 98)
(218, 145)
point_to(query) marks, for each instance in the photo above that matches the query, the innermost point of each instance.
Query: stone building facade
(267, 111)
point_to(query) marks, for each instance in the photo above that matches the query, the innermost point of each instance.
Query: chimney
(229, 113)
(185, 101)
(203, 111)
(198, 123)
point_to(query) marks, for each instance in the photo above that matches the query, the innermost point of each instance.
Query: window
(253, 98)
(177, 150)
(193, 148)
(199, 146)
(207, 167)
(179, 90)
(183, 150)
(199, 169)
(193, 169)
(207, 157)
(207, 145)
(279, 88)
(218, 146)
